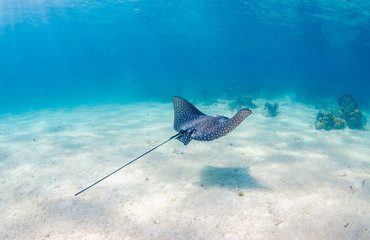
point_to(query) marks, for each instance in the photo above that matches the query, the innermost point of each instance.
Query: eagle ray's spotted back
(201, 127)
(184, 112)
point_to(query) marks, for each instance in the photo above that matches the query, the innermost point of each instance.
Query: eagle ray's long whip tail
(180, 134)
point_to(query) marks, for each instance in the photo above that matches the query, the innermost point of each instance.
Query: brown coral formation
(325, 120)
(348, 114)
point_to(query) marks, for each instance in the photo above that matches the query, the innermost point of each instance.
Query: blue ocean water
(69, 52)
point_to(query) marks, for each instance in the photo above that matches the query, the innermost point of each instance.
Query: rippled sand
(271, 178)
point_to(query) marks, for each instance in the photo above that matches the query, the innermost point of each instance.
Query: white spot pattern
(200, 126)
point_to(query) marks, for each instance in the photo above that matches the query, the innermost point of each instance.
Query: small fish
(190, 123)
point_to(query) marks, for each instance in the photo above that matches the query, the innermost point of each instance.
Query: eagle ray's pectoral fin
(186, 137)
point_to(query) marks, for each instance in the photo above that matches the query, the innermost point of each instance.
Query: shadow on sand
(228, 178)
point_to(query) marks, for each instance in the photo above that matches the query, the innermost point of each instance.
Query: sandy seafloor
(271, 178)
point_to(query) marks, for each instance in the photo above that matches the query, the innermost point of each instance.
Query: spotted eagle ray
(190, 123)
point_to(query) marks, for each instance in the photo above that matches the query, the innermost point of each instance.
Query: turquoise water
(87, 86)
(70, 52)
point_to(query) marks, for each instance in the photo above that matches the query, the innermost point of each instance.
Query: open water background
(61, 53)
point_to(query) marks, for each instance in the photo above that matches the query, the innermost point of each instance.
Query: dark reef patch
(242, 102)
(272, 109)
(348, 114)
